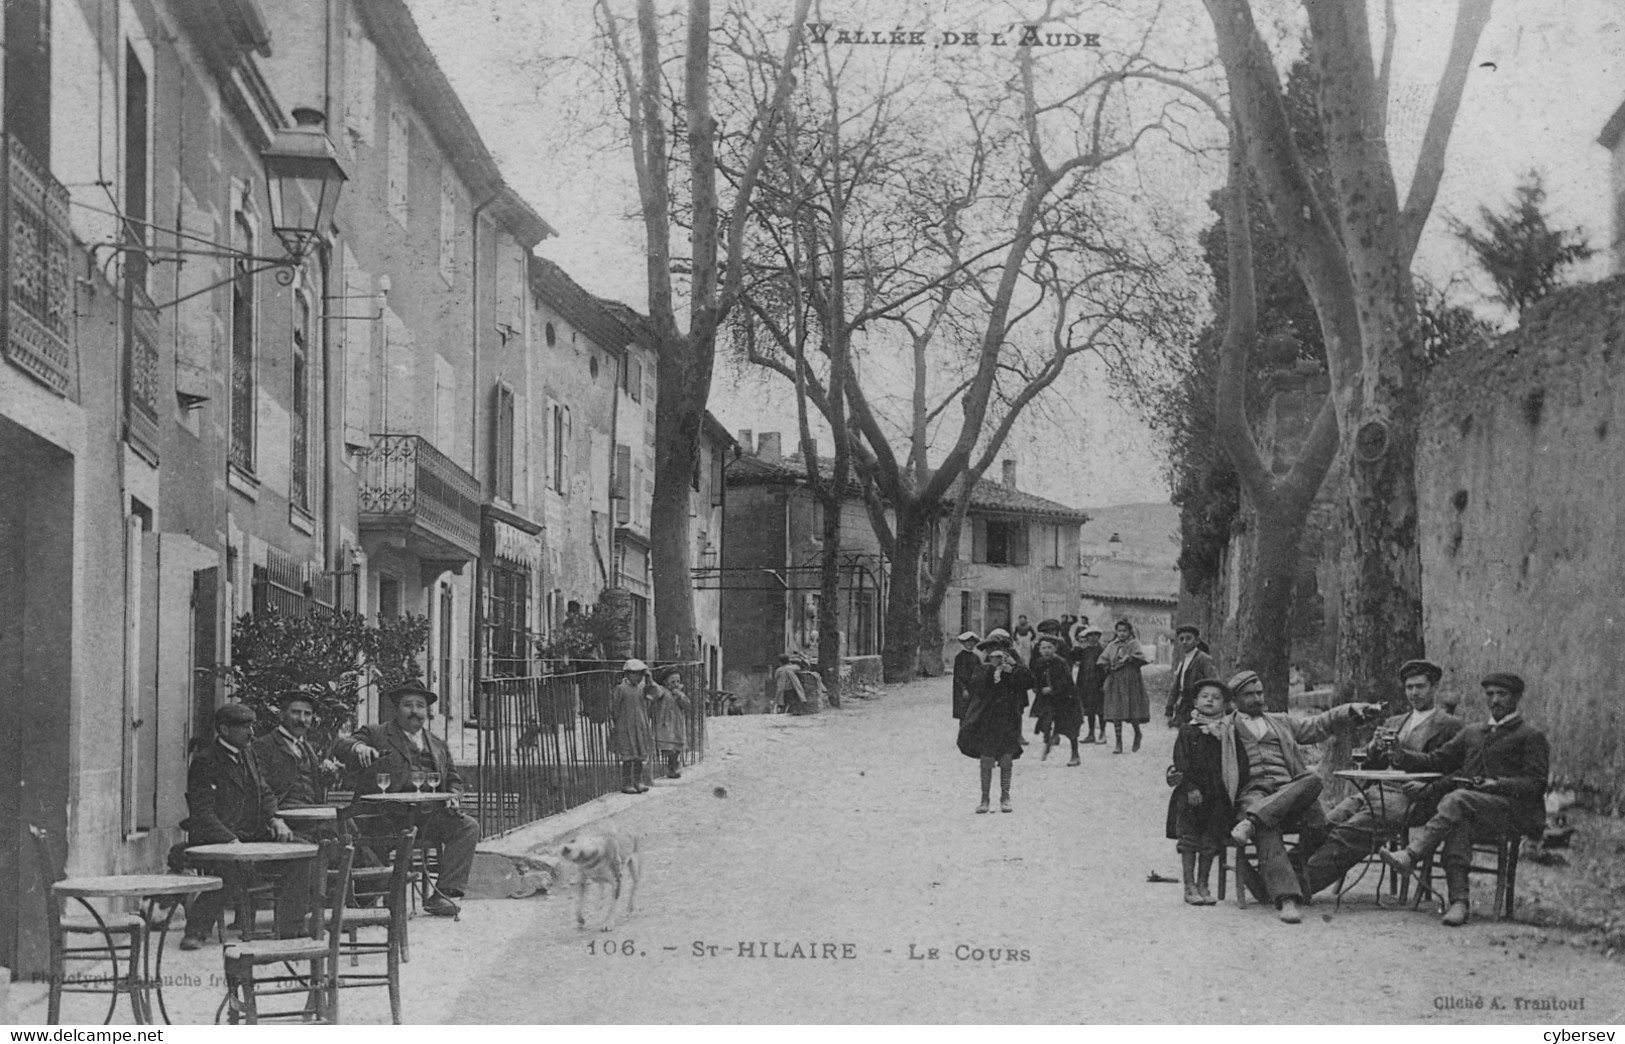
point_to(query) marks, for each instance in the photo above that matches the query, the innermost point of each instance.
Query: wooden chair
(107, 938)
(319, 947)
(392, 917)
(1504, 850)
(1245, 865)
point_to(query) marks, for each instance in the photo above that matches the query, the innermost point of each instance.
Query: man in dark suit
(1499, 771)
(228, 800)
(292, 768)
(1194, 666)
(398, 747)
(1358, 825)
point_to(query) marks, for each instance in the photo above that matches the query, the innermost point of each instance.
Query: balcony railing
(39, 290)
(141, 384)
(408, 484)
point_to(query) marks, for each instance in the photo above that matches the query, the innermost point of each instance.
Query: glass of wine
(384, 781)
(1360, 755)
(434, 780)
(418, 778)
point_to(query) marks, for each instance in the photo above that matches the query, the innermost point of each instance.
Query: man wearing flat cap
(1359, 826)
(227, 799)
(292, 768)
(967, 665)
(1193, 668)
(399, 747)
(1498, 770)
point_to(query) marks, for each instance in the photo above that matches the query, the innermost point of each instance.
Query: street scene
(647, 511)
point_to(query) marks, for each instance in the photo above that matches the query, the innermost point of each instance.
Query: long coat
(1515, 755)
(395, 756)
(991, 727)
(670, 715)
(1124, 696)
(1090, 684)
(227, 798)
(292, 771)
(1061, 704)
(630, 736)
(1198, 755)
(967, 666)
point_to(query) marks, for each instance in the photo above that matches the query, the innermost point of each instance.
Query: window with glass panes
(509, 641)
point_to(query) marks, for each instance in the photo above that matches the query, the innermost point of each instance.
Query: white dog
(607, 859)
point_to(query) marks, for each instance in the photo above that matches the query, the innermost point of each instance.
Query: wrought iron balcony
(409, 487)
(39, 289)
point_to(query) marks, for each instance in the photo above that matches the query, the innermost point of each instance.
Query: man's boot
(1289, 912)
(1187, 867)
(1204, 868)
(1455, 879)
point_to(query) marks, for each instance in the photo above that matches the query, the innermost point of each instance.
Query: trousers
(457, 835)
(1293, 806)
(1357, 828)
(1463, 814)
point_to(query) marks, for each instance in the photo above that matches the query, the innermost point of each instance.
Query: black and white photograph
(813, 512)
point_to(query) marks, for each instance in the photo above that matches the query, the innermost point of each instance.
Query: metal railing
(39, 285)
(544, 742)
(405, 480)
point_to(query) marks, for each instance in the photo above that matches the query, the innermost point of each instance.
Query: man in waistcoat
(292, 768)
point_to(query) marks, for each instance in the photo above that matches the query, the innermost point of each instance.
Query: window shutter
(978, 540)
(718, 459)
(550, 425)
(1018, 544)
(621, 485)
(502, 442)
(566, 450)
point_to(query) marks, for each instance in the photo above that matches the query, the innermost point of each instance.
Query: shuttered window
(502, 442)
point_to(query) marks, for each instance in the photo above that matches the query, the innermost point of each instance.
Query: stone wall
(1521, 475)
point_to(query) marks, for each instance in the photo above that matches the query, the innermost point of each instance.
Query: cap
(1502, 680)
(1425, 667)
(1243, 680)
(234, 714)
(300, 695)
(969, 636)
(1213, 683)
(665, 673)
(998, 632)
(1054, 639)
(635, 664)
(405, 689)
(1190, 629)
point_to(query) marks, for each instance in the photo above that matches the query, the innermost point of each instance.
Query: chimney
(746, 446)
(1010, 473)
(768, 448)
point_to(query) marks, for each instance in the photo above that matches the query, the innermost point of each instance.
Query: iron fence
(544, 742)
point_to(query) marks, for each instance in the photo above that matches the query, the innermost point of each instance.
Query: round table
(309, 814)
(417, 805)
(1365, 780)
(151, 889)
(247, 854)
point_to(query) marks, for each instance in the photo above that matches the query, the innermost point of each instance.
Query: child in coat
(670, 714)
(1199, 811)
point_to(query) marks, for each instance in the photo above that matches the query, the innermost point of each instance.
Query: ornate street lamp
(303, 177)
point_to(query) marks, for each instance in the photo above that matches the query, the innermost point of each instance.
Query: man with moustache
(292, 768)
(398, 747)
(1499, 769)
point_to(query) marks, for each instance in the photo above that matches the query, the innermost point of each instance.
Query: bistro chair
(1504, 850)
(391, 917)
(87, 940)
(319, 948)
(1246, 864)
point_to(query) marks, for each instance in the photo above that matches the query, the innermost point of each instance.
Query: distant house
(1130, 572)
(1612, 138)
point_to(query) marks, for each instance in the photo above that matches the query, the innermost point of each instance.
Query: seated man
(1272, 788)
(398, 747)
(292, 768)
(228, 800)
(1359, 826)
(1500, 769)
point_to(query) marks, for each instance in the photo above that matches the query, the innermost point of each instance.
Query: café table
(1378, 780)
(309, 814)
(242, 856)
(151, 890)
(417, 805)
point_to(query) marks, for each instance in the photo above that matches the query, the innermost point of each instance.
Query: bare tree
(715, 247)
(1352, 246)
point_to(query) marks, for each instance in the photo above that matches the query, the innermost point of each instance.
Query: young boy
(1199, 809)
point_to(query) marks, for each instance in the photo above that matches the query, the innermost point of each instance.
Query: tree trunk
(829, 598)
(900, 654)
(1260, 639)
(678, 413)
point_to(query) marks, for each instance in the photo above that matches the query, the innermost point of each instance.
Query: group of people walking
(1064, 673)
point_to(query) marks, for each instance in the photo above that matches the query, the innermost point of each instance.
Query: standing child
(1199, 808)
(630, 737)
(671, 720)
(991, 729)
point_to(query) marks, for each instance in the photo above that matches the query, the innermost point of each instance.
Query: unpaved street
(855, 828)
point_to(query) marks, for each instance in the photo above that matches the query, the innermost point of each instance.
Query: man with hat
(967, 665)
(1359, 826)
(1271, 787)
(227, 799)
(399, 747)
(1194, 666)
(1498, 773)
(292, 768)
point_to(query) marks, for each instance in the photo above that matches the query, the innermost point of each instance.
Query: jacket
(1293, 731)
(394, 755)
(294, 773)
(1180, 685)
(1198, 766)
(1515, 758)
(967, 667)
(1427, 737)
(227, 798)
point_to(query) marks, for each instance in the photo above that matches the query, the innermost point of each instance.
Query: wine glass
(418, 778)
(1360, 756)
(433, 777)
(384, 781)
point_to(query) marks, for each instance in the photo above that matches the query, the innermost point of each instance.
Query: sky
(1549, 74)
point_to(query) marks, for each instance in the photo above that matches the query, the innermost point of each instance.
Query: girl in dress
(630, 737)
(1124, 698)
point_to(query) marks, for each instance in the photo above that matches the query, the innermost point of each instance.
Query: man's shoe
(983, 807)
(1048, 746)
(1456, 916)
(1242, 832)
(1289, 912)
(1402, 862)
(629, 789)
(642, 789)
(1004, 805)
(192, 942)
(1192, 896)
(1206, 896)
(440, 906)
